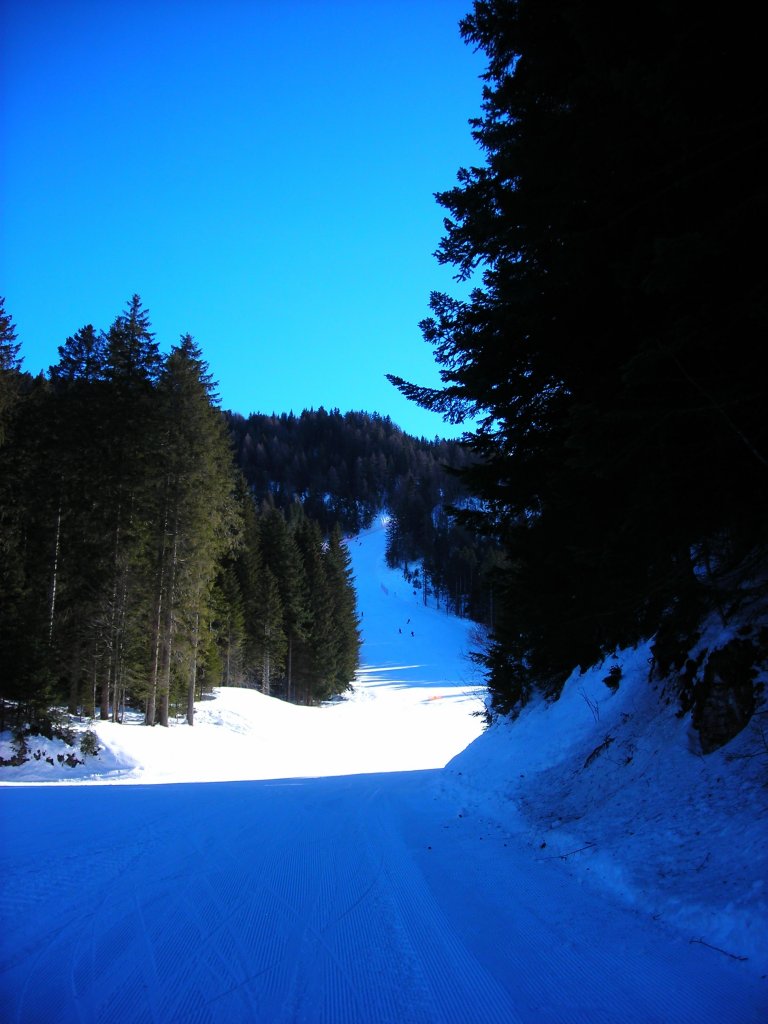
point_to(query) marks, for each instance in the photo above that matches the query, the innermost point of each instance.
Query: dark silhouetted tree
(612, 348)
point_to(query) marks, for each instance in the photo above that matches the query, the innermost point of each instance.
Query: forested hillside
(612, 347)
(136, 569)
(343, 469)
(154, 546)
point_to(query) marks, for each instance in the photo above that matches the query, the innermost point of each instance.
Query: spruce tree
(27, 557)
(73, 468)
(248, 567)
(282, 556)
(81, 358)
(195, 520)
(316, 660)
(230, 630)
(10, 368)
(122, 519)
(269, 632)
(13, 470)
(129, 440)
(346, 631)
(611, 348)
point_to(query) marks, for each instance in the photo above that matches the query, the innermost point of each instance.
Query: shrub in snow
(19, 751)
(89, 743)
(613, 678)
(724, 697)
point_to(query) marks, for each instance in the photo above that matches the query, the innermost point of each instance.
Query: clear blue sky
(261, 172)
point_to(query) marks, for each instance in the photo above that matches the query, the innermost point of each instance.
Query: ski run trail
(282, 865)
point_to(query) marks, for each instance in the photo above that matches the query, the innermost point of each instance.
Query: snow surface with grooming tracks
(388, 858)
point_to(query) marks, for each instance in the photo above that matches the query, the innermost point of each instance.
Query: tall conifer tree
(612, 350)
(130, 426)
(10, 367)
(195, 517)
(346, 632)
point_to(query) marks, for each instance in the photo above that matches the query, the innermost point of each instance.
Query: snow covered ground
(388, 857)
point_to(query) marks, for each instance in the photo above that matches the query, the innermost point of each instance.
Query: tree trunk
(265, 672)
(76, 696)
(192, 682)
(149, 718)
(104, 696)
(149, 715)
(118, 663)
(167, 645)
(91, 709)
(113, 643)
(55, 574)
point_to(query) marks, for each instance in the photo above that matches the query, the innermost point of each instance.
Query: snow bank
(613, 786)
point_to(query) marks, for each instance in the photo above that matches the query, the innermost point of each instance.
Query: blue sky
(261, 173)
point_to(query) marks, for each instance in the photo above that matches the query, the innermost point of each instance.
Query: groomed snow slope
(384, 859)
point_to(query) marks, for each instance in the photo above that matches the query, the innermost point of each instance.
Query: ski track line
(68, 966)
(304, 880)
(402, 970)
(239, 925)
(150, 973)
(243, 919)
(459, 988)
(591, 969)
(56, 963)
(343, 933)
(142, 937)
(237, 919)
(318, 903)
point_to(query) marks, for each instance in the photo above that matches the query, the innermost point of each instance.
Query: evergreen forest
(612, 345)
(344, 469)
(137, 569)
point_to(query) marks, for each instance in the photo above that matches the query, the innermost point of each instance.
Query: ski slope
(339, 865)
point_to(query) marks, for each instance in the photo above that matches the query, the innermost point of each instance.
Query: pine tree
(611, 352)
(282, 557)
(229, 629)
(248, 567)
(129, 443)
(195, 515)
(26, 556)
(346, 631)
(81, 358)
(316, 656)
(72, 468)
(270, 639)
(10, 368)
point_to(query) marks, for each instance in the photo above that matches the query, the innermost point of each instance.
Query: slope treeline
(345, 468)
(135, 568)
(612, 349)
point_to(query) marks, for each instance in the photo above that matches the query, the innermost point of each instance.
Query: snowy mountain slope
(387, 858)
(414, 704)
